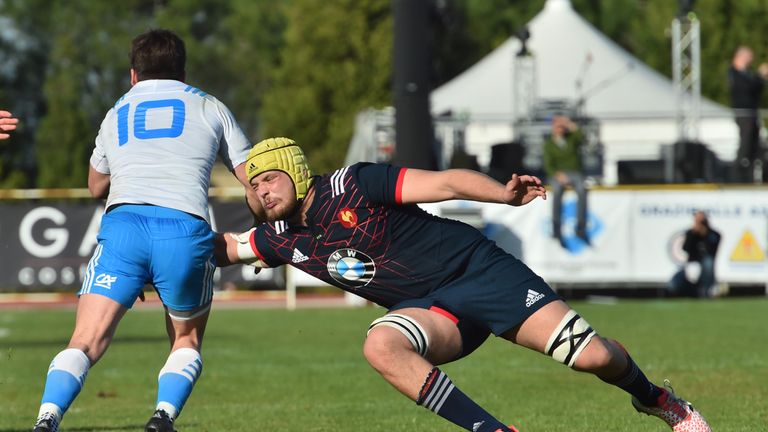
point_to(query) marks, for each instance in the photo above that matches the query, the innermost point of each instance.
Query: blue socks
(66, 376)
(634, 382)
(176, 380)
(67, 372)
(438, 394)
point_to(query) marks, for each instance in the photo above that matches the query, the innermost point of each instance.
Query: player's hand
(243, 253)
(521, 190)
(7, 123)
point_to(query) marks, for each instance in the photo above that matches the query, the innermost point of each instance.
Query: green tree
(336, 61)
(301, 68)
(644, 29)
(232, 48)
(23, 55)
(87, 71)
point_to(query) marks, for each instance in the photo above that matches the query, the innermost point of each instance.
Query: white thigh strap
(408, 327)
(569, 339)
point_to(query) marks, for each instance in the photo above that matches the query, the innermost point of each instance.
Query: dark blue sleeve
(380, 183)
(261, 246)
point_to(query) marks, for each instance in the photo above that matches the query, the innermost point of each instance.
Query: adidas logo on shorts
(533, 297)
(298, 256)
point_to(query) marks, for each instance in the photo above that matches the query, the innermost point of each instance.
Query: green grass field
(304, 371)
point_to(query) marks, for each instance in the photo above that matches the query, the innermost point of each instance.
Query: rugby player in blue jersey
(446, 286)
(152, 161)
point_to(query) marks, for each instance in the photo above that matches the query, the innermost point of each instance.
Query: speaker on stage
(506, 159)
(694, 163)
(641, 171)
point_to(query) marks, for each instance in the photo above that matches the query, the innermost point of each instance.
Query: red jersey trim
(399, 186)
(445, 313)
(252, 240)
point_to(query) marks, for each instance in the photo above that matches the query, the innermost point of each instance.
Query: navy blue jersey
(362, 239)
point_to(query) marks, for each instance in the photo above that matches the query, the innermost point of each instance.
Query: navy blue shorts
(496, 293)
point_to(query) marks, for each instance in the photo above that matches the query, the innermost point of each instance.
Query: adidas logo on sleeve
(533, 297)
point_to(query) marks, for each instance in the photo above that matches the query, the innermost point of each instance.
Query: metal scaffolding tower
(524, 74)
(686, 74)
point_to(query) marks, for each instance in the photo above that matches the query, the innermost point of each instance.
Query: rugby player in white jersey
(152, 161)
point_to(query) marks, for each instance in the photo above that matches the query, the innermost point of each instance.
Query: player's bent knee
(409, 327)
(93, 346)
(595, 357)
(569, 339)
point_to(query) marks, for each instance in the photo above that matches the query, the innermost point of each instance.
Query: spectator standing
(746, 90)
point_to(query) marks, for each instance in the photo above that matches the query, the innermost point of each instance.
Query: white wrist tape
(245, 252)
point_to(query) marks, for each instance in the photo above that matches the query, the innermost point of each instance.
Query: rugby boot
(46, 423)
(679, 414)
(159, 422)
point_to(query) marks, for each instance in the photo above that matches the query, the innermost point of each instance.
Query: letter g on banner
(57, 236)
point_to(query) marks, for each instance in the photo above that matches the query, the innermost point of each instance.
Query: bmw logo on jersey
(351, 268)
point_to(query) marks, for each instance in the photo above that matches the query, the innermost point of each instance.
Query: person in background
(562, 165)
(152, 160)
(701, 244)
(7, 123)
(746, 88)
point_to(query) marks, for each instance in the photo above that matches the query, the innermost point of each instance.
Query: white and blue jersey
(158, 144)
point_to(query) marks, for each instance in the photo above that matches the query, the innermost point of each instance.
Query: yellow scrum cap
(281, 154)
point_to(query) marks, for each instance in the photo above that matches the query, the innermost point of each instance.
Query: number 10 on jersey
(140, 115)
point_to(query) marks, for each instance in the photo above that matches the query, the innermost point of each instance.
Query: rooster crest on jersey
(282, 154)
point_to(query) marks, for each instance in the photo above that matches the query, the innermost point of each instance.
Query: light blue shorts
(144, 244)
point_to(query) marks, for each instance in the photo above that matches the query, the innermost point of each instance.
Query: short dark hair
(158, 54)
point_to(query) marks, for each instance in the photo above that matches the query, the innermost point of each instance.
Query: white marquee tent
(634, 104)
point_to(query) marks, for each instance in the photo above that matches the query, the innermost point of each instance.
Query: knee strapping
(569, 339)
(177, 315)
(409, 327)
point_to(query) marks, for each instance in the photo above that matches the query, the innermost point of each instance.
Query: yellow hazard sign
(748, 249)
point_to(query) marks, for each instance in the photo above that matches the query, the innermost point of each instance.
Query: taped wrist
(244, 250)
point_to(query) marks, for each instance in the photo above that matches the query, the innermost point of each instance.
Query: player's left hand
(522, 189)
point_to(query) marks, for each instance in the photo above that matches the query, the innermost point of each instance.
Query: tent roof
(566, 48)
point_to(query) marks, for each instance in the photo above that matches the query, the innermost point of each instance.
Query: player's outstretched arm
(7, 123)
(235, 248)
(421, 186)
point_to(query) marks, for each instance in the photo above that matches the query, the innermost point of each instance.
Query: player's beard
(283, 212)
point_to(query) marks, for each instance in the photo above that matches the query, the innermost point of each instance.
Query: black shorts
(496, 293)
